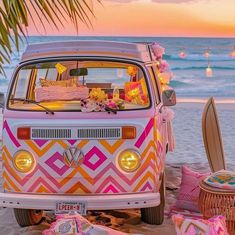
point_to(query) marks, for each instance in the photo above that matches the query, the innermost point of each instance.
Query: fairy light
(207, 53)
(209, 71)
(182, 53)
(233, 52)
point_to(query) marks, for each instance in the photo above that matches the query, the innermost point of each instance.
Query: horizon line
(125, 36)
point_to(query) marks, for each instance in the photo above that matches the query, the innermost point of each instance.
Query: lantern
(233, 52)
(209, 71)
(182, 54)
(207, 53)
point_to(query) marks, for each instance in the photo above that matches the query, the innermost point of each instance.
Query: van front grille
(76, 133)
(99, 133)
(41, 133)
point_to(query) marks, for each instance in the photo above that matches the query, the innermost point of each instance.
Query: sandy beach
(189, 151)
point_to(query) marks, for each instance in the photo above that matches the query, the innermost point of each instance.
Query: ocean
(190, 83)
(190, 79)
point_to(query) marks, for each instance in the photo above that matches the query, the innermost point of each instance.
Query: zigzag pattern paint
(98, 174)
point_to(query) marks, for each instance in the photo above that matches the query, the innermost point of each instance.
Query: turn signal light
(23, 133)
(128, 132)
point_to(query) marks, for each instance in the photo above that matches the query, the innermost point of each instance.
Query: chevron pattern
(214, 226)
(98, 174)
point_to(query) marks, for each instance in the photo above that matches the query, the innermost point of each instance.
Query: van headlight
(24, 161)
(129, 160)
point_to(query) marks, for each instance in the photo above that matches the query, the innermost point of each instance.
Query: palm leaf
(15, 16)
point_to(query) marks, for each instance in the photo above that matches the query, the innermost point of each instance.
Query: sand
(190, 150)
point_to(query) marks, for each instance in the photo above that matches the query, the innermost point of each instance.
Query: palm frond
(16, 15)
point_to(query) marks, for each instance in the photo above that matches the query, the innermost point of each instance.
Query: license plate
(66, 207)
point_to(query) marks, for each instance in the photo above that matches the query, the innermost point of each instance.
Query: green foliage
(16, 14)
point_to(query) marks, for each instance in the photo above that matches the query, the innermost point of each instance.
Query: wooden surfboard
(212, 137)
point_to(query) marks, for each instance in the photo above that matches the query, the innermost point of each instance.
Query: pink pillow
(213, 226)
(189, 189)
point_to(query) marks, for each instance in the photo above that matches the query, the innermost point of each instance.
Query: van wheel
(26, 217)
(155, 215)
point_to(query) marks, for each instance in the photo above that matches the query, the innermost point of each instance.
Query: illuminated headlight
(129, 160)
(24, 161)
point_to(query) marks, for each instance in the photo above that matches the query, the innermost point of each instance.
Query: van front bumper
(95, 202)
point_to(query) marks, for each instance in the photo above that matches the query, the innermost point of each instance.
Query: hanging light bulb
(182, 53)
(209, 71)
(233, 52)
(207, 53)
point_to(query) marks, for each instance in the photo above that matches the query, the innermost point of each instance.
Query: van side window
(155, 87)
(21, 86)
(156, 79)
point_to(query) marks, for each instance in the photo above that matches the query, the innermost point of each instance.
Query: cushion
(221, 179)
(213, 226)
(55, 93)
(73, 82)
(189, 189)
(77, 225)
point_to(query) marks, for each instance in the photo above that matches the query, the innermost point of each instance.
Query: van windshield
(87, 86)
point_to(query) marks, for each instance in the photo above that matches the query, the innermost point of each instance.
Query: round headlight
(129, 160)
(24, 161)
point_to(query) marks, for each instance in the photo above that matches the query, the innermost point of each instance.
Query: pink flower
(163, 66)
(111, 104)
(158, 51)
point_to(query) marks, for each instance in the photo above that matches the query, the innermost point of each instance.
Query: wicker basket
(215, 201)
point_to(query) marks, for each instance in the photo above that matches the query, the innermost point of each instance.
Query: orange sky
(157, 18)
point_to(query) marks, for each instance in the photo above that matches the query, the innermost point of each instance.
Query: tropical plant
(15, 16)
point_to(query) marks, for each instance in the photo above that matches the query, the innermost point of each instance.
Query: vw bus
(83, 129)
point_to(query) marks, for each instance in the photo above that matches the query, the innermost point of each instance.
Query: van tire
(25, 217)
(155, 215)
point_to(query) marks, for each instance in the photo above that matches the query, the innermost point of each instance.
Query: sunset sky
(157, 18)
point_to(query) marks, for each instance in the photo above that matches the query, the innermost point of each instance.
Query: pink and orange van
(84, 130)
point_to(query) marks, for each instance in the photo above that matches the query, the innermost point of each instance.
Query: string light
(233, 52)
(182, 53)
(207, 53)
(209, 71)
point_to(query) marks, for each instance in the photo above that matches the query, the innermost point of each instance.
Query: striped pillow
(189, 189)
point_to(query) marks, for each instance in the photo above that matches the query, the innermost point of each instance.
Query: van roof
(134, 51)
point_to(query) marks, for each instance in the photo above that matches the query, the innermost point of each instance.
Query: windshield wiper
(48, 111)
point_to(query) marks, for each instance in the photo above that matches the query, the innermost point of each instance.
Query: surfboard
(212, 137)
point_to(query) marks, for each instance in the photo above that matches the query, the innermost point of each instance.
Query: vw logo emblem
(73, 157)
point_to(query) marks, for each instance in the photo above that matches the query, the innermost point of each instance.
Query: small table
(215, 201)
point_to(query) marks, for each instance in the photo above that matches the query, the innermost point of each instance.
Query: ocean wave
(9, 66)
(4, 81)
(221, 100)
(176, 84)
(199, 57)
(202, 67)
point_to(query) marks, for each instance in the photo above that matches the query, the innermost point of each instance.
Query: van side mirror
(168, 98)
(2, 100)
